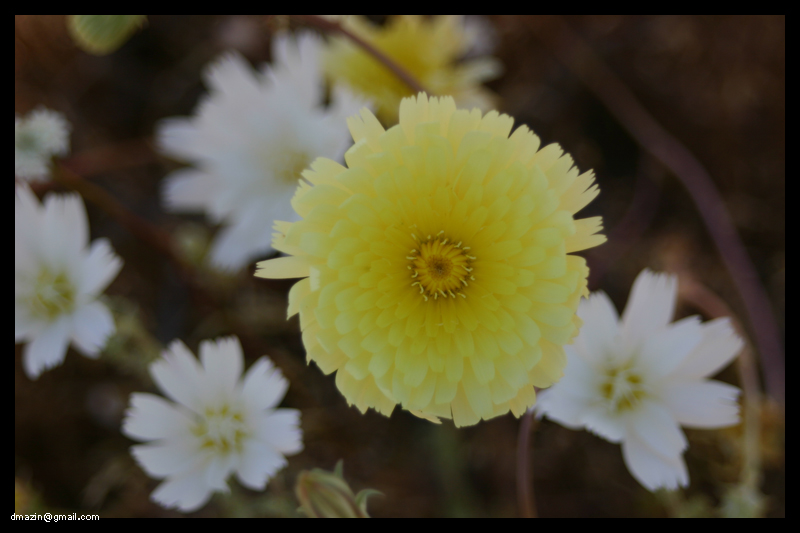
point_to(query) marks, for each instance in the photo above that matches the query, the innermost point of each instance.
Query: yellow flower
(438, 268)
(427, 48)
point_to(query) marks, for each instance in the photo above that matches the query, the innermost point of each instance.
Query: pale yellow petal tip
(429, 418)
(283, 268)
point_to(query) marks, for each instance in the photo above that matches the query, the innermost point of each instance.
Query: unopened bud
(103, 34)
(327, 495)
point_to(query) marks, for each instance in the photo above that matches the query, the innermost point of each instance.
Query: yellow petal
(284, 268)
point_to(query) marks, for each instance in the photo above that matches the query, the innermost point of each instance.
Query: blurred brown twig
(572, 50)
(163, 243)
(525, 495)
(335, 27)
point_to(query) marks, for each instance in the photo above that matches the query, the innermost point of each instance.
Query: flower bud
(103, 34)
(327, 495)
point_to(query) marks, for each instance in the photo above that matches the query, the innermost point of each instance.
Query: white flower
(57, 279)
(250, 140)
(219, 425)
(637, 380)
(38, 137)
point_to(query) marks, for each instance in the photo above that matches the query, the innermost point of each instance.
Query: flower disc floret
(438, 266)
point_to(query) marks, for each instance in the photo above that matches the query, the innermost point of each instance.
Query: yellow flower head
(427, 48)
(438, 268)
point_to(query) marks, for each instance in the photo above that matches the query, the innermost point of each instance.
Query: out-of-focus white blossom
(57, 279)
(38, 137)
(637, 380)
(219, 424)
(248, 142)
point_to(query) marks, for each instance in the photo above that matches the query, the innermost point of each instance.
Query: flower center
(221, 431)
(54, 295)
(440, 268)
(289, 165)
(623, 389)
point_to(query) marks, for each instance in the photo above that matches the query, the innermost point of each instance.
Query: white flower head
(57, 279)
(637, 380)
(38, 137)
(249, 141)
(220, 424)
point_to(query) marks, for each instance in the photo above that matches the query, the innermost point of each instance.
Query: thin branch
(334, 27)
(112, 157)
(634, 223)
(575, 53)
(525, 496)
(102, 160)
(136, 225)
(163, 243)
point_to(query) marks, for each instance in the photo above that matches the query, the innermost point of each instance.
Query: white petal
(609, 425)
(188, 190)
(651, 306)
(720, 345)
(100, 267)
(180, 138)
(597, 338)
(258, 464)
(65, 228)
(223, 362)
(151, 417)
(264, 386)
(25, 327)
(295, 66)
(581, 378)
(232, 76)
(344, 103)
(47, 349)
(281, 430)
(27, 214)
(217, 472)
(653, 470)
(664, 350)
(188, 492)
(171, 458)
(562, 407)
(653, 424)
(567, 401)
(236, 245)
(92, 325)
(703, 404)
(180, 376)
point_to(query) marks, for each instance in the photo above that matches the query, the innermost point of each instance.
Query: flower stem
(525, 496)
(334, 27)
(587, 65)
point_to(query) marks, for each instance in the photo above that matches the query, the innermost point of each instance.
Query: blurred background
(716, 83)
